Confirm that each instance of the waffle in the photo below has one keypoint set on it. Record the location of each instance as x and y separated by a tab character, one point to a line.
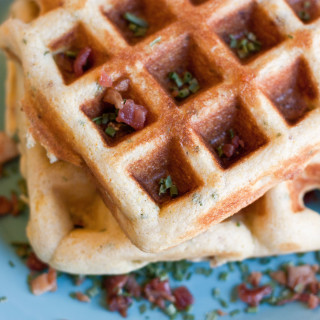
268	95
71	228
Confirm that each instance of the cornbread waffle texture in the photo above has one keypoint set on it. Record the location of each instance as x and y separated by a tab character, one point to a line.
71	228
270	99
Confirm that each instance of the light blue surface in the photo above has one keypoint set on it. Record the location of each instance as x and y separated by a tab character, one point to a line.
22	305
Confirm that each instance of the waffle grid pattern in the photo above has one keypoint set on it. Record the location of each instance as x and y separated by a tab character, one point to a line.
178	137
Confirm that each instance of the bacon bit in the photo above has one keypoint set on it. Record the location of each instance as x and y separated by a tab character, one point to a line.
228	150
44	283
157	292
113	97
123	85
5	206
279	276
119	303
105	80
255	278
81	61
15	204
133	115
8	148
221	313
236	142
183	298
79	280
114	284
35	264
133	287
314	287
313	301
253	296
301	275
82	297
315	268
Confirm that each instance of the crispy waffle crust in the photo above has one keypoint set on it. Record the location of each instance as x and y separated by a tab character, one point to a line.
271	100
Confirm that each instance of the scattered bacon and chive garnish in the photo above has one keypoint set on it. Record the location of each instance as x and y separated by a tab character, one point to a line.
234	146
185	84
304	14
137	25
245	44
126	115
75	61
166	185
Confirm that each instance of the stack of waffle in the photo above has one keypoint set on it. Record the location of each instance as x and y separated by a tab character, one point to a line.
165	130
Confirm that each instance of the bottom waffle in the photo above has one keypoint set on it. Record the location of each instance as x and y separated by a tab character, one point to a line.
71	229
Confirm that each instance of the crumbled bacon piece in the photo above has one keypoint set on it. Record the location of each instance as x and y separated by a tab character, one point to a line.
114	284
221	313
301	275
5	206
119	303
314	287
183	298
82	297
44	283
133	115
236	142
279	276
132	287
113	97
228	150
253	296
313	301
105	80
81	61
35	264
255	278
157	292
15	204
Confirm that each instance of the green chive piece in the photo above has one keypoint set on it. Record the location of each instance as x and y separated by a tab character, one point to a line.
168	182
234	312
187	77
220	152
143	308
97	120
265	260
136	20
233	42
176	78
3	299
252	310
215	292
110	131
304	15
211	315
194	85
231	132
223	276
11	264
140	32
188	317
174	191
170	310
71	54
223	303
184	93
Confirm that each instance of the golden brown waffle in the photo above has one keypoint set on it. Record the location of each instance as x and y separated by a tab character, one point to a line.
270	99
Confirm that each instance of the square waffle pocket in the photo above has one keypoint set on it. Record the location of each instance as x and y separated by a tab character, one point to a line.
230	90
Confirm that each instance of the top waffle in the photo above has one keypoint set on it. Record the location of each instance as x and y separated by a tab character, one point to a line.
257	80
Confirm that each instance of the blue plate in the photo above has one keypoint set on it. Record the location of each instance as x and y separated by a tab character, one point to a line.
22	305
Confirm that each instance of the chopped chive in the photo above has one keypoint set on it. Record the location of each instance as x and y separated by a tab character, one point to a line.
304	15
110	131
71	54
211	315
136	20
11	264
234	312
97	120
24	41
46	52
264	260
173	191
233	42
223	276
290	36
3	299
168	182
143	308
219	151
231	132
170	310
188	317
155	41
184	93
252	310
140	32
215	292
230	266
176	78
238	224
223	303
194	85
187	77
